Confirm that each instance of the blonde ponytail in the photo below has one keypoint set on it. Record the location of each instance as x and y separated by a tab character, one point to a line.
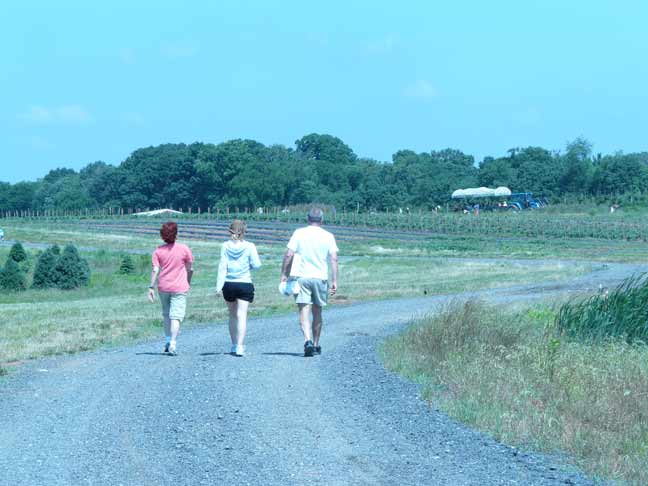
237	230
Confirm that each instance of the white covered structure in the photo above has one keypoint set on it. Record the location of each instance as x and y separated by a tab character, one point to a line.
157	212
475	192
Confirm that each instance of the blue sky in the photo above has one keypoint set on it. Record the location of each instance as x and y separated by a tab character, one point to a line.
87	81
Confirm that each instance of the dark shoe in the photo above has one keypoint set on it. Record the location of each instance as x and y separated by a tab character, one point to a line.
317	349
166	348
309	349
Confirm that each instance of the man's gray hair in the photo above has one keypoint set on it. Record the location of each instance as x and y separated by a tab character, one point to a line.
315	215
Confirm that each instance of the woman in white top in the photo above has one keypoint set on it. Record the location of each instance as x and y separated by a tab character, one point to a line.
238	257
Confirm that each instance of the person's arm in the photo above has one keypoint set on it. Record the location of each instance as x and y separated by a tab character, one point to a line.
189	259
222	270
151	290
334	272
255	261
287	262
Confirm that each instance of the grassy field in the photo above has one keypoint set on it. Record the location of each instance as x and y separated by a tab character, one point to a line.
441	245
113	308
506	372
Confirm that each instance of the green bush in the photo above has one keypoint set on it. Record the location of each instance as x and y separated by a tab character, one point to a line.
12	277
71	271
623	312
126	266
45	275
17	252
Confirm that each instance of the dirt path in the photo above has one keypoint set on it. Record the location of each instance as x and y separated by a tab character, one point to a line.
135	417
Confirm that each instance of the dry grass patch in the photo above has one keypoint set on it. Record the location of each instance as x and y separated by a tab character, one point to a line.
505	372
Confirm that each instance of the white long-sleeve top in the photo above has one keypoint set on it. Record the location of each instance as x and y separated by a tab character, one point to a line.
236	260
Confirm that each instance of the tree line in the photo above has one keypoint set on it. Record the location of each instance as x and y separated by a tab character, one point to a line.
322	168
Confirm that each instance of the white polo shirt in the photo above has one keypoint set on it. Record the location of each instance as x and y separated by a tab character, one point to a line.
312	246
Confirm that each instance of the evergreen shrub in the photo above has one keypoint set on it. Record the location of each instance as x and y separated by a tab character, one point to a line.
12	277
44	273
71	270
126	266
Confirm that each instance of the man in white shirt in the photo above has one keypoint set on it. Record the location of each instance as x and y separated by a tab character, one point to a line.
309	252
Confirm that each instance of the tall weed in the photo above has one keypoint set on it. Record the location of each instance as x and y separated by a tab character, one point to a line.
623	312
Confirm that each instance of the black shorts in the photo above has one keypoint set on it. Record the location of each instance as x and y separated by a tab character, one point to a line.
238	290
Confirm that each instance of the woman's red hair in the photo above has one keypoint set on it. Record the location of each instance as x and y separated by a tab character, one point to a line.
169	232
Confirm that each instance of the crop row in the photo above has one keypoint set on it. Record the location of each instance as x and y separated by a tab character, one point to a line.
386	225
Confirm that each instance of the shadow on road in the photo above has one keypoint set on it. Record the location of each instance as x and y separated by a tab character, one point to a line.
284	354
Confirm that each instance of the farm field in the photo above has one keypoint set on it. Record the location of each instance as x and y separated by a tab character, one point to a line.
484	240
113	308
552	222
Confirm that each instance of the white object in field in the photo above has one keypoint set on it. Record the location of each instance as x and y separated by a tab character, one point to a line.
1	234
502	191
290	287
481	192
157	212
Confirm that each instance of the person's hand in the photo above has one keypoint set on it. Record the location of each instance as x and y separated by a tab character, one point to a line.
151	295
284	278
333	288
219	291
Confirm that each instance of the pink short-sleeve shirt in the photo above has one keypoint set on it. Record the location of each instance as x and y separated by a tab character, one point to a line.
171	260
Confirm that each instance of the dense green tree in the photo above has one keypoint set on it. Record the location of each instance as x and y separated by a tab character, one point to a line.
71	271
17	252
321	168
126	265
577	167
45	274
12	278
162	176
496	173
618	174
17	197
64	193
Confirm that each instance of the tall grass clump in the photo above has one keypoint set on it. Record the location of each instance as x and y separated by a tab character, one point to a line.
508	373
623	313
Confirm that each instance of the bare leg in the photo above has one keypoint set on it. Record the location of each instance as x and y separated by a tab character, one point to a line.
304	321
175	330
232	307
241	317
317	323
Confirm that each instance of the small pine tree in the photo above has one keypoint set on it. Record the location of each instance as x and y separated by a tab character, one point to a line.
56	249
71	270
44	273
126	266
17	252
12	278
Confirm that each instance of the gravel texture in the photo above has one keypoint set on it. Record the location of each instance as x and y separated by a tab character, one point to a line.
133	416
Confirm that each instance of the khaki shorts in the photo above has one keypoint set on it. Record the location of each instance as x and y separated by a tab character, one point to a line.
174	305
312	291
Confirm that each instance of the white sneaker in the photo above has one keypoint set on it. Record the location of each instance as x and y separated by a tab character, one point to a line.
239	350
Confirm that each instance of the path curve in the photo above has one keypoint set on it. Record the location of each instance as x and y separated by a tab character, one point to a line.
132	416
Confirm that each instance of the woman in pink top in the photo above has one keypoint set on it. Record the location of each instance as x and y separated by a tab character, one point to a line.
173	269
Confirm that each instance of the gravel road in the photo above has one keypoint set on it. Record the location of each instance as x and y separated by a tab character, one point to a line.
133	416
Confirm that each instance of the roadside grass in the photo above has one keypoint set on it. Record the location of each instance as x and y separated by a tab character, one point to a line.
505	371
113	309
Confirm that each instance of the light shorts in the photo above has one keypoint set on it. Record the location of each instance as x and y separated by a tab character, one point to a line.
174	305
312	291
